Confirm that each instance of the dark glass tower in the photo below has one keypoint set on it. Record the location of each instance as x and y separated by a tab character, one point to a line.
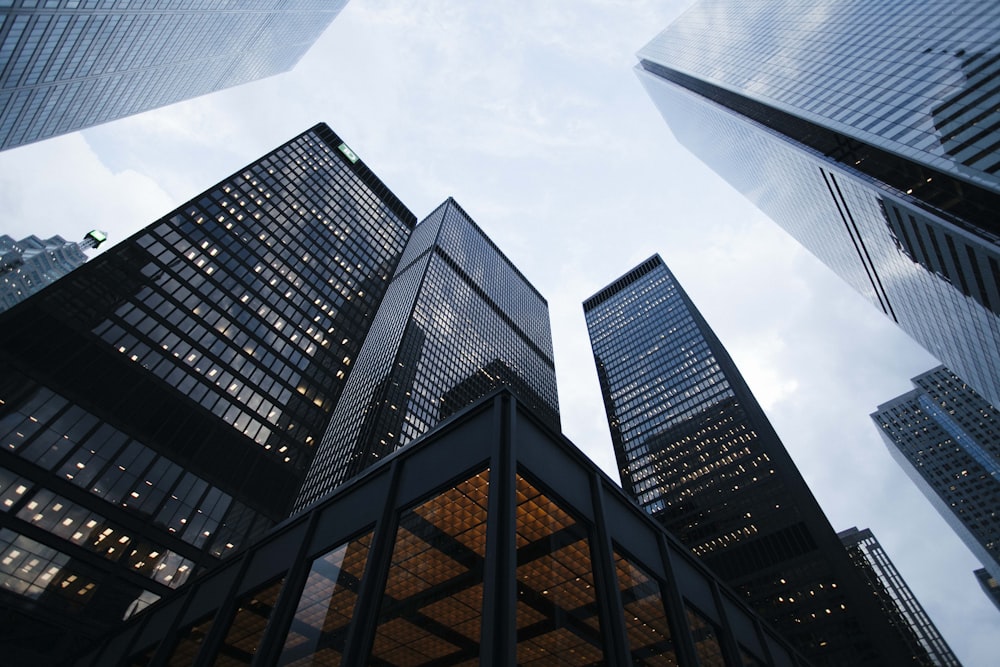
897	600
68	65
947	439
29	265
458	321
160	405
492	541
697	452
869	132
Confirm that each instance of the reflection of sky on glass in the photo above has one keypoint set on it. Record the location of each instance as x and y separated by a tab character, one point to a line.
792	185
869	69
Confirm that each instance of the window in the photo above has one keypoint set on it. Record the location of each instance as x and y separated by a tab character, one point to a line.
432	605
556	606
326	605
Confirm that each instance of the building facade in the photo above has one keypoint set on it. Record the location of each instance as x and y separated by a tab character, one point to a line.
897	600
71	64
947	439
697	452
458	321
159	406
490	541
990	586
870	135
28	265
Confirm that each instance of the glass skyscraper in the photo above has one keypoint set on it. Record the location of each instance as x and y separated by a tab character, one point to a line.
894	595
869	132
28	265
947	439
160	405
458	321
697	452
69	64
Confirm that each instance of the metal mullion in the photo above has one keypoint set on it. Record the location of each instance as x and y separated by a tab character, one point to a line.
170	638
606	585
673	605
361	631
284	607
730	650
498	638
762	638
94	657
227	610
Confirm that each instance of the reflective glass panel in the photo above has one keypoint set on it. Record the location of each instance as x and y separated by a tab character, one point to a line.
74	523
189	643
557	622
749	659
12	487
432	608
248	626
649	637
319	630
706	639
142	658
32	569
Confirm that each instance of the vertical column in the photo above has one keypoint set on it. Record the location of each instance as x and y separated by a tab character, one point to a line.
730	650
361	632
498	643
284	609
674	606
762	637
609	600
217	631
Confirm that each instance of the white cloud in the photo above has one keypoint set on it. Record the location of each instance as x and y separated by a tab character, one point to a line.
60	187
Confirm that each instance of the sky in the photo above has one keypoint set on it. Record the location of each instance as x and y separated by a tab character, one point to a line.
530	115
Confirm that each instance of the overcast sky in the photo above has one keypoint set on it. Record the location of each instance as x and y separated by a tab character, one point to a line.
528	114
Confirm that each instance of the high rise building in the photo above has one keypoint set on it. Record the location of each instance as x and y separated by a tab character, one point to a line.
69	65
28	265
896	599
990	586
869	133
491	541
160	405
697	452
947	439
458	321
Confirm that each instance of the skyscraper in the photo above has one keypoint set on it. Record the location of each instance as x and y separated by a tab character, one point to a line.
159	406
697	452
947	439
65	66
458	321
868	131
897	600
28	265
